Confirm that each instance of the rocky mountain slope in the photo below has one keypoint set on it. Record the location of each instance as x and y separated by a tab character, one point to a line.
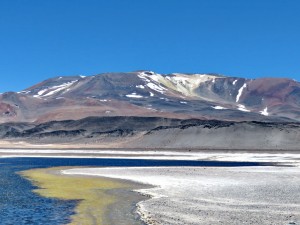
144	109
149	94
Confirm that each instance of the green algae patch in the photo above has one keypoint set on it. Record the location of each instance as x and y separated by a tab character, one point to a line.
90	191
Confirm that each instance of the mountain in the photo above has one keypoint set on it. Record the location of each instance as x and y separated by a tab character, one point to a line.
144	109
149	94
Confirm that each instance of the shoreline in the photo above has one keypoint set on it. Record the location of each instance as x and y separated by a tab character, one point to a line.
276	157
100	200
118	147
208	195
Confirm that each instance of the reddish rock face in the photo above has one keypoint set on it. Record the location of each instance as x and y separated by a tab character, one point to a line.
273	89
7	111
145	93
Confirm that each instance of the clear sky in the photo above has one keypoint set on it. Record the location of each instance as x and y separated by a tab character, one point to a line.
40	39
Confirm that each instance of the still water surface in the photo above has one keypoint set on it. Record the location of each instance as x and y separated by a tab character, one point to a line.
19	205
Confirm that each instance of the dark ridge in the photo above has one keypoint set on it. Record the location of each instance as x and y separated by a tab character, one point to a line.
61	133
120	126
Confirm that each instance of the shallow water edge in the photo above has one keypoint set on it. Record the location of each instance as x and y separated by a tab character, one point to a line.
100	200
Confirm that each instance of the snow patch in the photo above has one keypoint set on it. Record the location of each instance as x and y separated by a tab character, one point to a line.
152	81
179	80
182	102
157	88
187	83
264	112
54	89
134	95
234	82
218	107
149	75
140	86
155	77
240	92
151	109
144	77
242	108
42	92
59	88
23	92
166	99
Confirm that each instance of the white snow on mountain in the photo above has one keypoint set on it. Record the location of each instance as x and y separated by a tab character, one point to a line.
183	83
264	112
157	88
240	92
186	84
54	89
242	108
134	95
24	92
218	107
152	80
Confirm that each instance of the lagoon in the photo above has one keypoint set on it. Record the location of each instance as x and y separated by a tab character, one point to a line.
20	205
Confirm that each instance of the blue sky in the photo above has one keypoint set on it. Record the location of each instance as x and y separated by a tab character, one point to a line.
42	39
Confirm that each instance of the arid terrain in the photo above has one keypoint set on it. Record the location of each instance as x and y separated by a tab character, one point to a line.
144	109
152	132
249	128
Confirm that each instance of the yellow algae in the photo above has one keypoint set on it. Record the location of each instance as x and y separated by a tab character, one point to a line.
92	192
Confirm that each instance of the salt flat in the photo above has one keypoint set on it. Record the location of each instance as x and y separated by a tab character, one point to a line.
213	195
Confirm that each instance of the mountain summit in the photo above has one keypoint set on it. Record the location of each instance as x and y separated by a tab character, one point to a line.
149	94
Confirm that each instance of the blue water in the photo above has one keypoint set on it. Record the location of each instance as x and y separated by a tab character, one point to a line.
19	205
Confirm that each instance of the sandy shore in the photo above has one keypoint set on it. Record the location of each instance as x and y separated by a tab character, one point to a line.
213	195
101	201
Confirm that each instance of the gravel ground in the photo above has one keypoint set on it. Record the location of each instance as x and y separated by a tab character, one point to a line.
213	195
